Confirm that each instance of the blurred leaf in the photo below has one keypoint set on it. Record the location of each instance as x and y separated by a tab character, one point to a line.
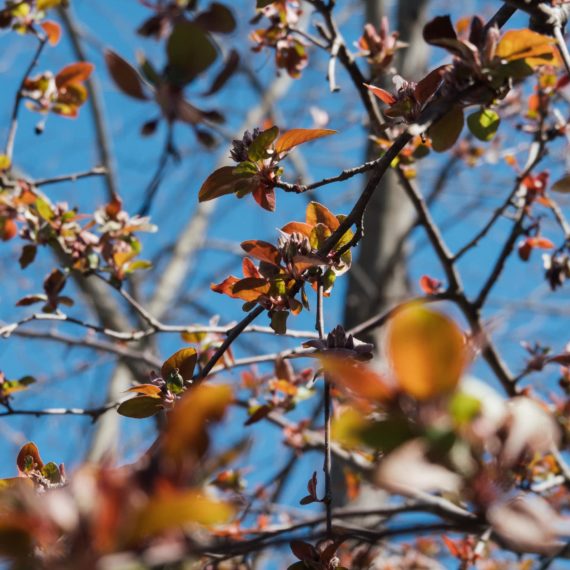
483	124
358	378
388	434
28	255
445	132
5	162
140	407
526	44
427	352
51	472
190	52
295	137
218	18
184	360
125	76
186	432
175	510
44	209
562	185
230	67
464	408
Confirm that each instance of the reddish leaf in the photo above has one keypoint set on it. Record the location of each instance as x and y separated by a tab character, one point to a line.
428	85
439	28
540	242
221	182
265	197
250	288
295	137
226	286
8	229
249	269
429	285
125	76
74	73
304	551
29	458
382	94
262	250
31	300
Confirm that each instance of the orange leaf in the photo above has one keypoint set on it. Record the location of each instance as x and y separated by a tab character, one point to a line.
297	227
8	229
221	182
226	286
250	288
74	73
186	430
52	30
382	94
262	250
427	352
540	242
249	269
319	214
150	390
358	378
295	137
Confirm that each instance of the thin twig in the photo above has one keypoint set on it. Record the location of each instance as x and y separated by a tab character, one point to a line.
96	171
9	150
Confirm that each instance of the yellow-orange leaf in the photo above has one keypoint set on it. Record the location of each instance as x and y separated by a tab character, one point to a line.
319	214
173	510
525	44
427	352
295	137
150	390
184	360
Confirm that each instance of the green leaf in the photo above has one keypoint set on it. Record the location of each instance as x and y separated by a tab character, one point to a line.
44	209
190	52
388	434
140	407
484	124
245	167
445	132
279	321
464	407
51	472
258	149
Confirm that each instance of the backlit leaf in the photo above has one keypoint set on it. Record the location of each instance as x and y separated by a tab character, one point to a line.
258	148
427	352
29	458
221	182
295	137
52	31
184	360
318	214
523	44
382	94
262	250
74	73
483	124
151	390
